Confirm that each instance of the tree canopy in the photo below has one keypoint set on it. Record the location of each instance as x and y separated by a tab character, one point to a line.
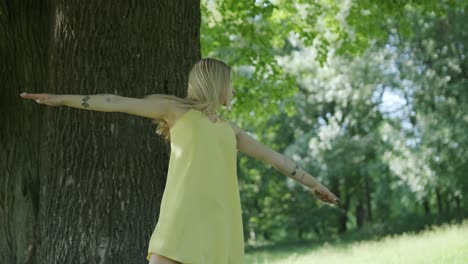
368	96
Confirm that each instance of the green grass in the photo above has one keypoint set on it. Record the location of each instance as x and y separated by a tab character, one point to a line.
443	244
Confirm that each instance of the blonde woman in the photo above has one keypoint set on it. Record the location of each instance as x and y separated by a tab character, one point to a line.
200	218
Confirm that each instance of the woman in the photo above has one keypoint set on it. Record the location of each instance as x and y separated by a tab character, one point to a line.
200	218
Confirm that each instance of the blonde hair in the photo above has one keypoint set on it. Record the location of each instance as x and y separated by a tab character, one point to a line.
209	85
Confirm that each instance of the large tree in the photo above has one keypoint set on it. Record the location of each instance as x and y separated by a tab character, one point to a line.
82	186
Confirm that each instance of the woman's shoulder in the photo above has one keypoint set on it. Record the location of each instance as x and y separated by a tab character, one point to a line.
179	111
176	111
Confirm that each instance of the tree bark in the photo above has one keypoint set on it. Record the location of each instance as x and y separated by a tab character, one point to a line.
102	174
24	27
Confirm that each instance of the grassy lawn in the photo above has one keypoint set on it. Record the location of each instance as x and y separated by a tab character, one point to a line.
444	244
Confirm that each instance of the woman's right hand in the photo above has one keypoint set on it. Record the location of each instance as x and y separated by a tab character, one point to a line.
43	98
323	194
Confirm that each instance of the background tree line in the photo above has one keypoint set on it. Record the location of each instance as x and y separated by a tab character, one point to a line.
371	98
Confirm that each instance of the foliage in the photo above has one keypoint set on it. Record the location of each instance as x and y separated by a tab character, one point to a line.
251	34
368	96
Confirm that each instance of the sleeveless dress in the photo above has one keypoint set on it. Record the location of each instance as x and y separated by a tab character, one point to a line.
200	220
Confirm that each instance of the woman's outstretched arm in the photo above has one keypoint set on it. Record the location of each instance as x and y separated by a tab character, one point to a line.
248	145
152	107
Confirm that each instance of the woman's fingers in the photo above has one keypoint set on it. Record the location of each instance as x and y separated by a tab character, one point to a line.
28	96
320	196
332	198
326	196
31	96
41	98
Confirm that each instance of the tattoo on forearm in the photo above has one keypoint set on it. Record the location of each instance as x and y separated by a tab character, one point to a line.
287	171
297	173
85	102
108	99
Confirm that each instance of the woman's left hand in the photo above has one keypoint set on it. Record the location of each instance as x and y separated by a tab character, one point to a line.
44	98
323	194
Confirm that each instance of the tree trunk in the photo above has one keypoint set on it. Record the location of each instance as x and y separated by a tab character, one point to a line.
360	214
24	28
103	174
426	206
440	207
368	198
457	203
344	202
342	220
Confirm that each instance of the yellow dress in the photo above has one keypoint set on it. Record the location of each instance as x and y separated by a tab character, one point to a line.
200	220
